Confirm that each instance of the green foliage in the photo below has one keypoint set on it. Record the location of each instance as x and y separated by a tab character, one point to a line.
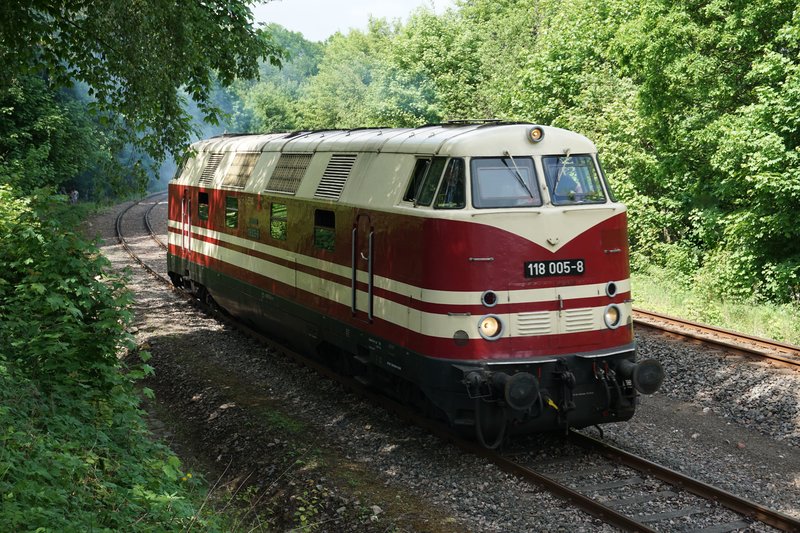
47	140
660	289
135	56
271	104
335	97
695	107
718	94
74	452
77	321
440	65
308	508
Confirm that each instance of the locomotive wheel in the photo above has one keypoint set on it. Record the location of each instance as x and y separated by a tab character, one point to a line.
209	301
202	294
176	279
491	421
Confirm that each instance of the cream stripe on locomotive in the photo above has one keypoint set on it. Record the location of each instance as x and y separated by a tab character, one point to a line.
431	296
432	324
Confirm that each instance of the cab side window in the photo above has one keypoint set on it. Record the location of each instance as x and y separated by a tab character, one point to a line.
416	179
424	180
452	190
428	187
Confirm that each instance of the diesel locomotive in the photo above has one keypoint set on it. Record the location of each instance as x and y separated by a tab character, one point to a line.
477	269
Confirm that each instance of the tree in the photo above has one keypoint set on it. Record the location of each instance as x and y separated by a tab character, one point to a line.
44	139
270	104
718	92
135	57
335	97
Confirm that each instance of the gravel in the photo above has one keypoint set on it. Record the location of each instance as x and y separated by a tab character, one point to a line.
724	419
261	425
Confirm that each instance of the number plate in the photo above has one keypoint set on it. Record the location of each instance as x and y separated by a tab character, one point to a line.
563	267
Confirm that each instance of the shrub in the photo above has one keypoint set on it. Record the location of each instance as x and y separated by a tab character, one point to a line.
75	454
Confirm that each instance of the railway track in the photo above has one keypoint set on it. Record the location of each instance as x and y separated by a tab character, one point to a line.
777	352
609	483
129	247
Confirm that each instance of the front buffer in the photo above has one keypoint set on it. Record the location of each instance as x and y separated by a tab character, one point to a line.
554	394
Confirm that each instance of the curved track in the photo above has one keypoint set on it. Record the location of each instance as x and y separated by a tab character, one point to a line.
645	480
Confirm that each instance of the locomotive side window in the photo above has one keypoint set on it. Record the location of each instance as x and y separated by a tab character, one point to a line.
231	211
611	194
202	205
324	229
452	193
425	180
504	182
416	179
277	221
573	179
431	180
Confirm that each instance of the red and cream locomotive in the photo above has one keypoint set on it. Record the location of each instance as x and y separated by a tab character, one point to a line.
477	269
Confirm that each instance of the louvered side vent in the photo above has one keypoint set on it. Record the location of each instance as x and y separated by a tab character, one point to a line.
578	320
240	170
207	177
288	173
335	176
537	323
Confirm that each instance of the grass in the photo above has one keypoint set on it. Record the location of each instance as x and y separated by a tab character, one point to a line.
659	290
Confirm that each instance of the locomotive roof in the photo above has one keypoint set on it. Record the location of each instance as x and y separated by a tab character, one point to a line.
379	174
458	139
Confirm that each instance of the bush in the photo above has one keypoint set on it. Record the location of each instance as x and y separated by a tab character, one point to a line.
75	454
729	275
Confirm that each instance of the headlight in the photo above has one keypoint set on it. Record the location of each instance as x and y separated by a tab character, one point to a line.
612	316
490	327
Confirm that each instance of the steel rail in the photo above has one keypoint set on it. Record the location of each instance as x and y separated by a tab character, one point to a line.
593	507
148	224
126	246
605	513
720	337
581	501
731	501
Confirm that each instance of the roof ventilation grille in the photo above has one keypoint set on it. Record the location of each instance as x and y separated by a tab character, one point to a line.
335	176
240	170
207	177
288	173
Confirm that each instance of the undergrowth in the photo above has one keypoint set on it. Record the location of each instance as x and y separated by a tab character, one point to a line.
659	289
75	454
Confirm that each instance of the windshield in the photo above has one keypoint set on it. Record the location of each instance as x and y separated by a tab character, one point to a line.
504	182
573	179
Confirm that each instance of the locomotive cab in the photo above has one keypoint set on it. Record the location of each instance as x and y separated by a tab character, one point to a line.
554	332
